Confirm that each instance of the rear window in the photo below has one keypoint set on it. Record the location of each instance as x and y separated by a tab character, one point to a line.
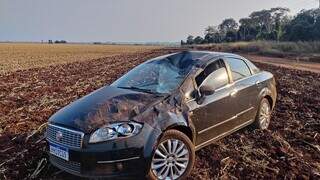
239	69
253	68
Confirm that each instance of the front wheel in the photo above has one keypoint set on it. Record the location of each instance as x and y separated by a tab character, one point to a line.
173	158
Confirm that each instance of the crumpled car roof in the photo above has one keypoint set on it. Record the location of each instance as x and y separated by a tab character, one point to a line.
196	58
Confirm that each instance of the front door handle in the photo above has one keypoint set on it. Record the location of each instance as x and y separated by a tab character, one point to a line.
233	93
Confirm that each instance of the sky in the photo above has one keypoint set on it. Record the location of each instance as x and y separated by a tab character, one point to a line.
124	20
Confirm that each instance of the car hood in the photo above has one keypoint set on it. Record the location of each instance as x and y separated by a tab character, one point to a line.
104	106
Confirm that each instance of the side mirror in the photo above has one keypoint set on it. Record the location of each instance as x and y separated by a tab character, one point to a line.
206	90
202	93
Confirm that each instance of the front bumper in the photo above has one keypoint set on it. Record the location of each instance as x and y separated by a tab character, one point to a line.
122	158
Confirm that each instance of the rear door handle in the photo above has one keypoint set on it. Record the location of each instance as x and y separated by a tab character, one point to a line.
258	83
233	93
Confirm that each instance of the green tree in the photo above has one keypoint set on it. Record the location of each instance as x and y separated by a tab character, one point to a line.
316	29
262	21
228	29
280	20
269	22
190	39
303	27
247	30
231	36
198	40
228	25
211	30
212	35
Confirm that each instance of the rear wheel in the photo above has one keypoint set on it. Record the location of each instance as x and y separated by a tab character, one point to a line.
264	115
173	158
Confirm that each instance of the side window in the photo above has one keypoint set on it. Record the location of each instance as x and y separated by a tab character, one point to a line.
254	68
214	74
239	68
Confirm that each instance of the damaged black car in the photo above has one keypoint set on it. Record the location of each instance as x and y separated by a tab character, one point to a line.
150	122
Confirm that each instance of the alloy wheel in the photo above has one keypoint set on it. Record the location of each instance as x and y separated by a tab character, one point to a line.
170	160
265	115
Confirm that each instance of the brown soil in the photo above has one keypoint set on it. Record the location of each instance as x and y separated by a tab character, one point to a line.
290	149
287	63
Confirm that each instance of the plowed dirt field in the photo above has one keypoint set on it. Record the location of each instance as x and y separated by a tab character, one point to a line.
289	149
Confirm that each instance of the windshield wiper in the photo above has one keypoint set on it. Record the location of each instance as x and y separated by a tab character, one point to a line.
138	89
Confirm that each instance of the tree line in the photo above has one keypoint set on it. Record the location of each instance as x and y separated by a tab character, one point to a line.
57	41
273	24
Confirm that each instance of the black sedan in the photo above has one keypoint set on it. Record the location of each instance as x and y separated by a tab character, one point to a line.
150	122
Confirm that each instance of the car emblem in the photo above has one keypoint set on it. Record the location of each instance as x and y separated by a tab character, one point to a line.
59	136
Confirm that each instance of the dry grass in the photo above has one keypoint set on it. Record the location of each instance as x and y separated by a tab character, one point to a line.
309	51
17	56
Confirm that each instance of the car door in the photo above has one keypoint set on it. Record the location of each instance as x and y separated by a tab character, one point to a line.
210	116
244	88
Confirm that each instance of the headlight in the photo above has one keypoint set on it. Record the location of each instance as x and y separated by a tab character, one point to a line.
114	131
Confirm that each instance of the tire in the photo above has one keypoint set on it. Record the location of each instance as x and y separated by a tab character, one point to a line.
174	161
263	116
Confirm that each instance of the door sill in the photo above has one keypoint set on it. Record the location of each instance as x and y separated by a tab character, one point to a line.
206	143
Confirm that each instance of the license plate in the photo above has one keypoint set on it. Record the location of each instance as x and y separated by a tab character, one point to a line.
59	151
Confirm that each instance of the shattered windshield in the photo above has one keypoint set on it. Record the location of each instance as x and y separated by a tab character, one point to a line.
158	76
